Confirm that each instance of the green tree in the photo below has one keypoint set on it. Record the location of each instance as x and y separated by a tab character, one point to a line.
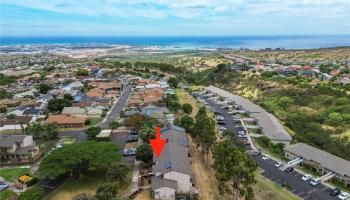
264	141
57	105
69	97
42	130
144	153
5	94
34	193
3	109
204	131
117	172
43	88
92	132
187	122
187	108
82	72
173	82
234	170
77	158
106	191
114	125
285	101
335	119
11	116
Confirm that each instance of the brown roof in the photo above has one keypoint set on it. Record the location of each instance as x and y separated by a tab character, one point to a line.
17	120
65	119
82	104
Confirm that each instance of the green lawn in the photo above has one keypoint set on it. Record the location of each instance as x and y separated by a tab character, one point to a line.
268	151
12	174
4	195
87	184
265	189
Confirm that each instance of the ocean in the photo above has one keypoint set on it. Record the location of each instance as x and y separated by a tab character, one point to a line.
190	42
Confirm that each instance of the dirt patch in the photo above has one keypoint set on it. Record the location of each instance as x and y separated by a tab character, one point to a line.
185	97
144	195
204	176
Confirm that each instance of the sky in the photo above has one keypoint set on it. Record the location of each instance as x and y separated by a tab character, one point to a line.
173	17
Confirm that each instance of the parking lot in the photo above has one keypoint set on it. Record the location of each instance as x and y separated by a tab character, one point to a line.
292	180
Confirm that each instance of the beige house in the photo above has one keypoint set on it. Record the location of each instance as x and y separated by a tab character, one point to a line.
74	112
94	113
18	148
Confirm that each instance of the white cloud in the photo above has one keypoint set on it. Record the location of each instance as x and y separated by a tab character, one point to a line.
190	9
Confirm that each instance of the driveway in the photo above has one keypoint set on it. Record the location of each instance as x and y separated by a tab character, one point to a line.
116	110
297	185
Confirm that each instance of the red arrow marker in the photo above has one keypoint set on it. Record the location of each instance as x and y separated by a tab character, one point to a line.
158	143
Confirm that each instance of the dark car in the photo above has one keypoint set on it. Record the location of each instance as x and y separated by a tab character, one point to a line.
257	153
217	113
289	169
335	192
221	123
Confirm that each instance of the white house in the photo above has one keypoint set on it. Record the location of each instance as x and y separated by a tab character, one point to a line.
173	175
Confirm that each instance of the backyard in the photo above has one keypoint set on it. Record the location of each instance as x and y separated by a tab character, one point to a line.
87	184
11	174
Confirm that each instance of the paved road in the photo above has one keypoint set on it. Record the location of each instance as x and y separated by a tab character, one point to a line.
115	112
297	186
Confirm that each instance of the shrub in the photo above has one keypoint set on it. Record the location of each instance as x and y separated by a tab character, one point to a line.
187	108
34	193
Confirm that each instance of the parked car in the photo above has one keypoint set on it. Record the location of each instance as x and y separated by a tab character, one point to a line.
220	118
217	113
315	181
221	123
279	164
335	192
257	153
242	136
289	169
222	128
230	113
343	195
306	177
3	186
266	157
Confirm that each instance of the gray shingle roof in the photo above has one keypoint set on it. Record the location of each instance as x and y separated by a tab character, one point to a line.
270	125
325	159
175	154
9	140
72	110
158	182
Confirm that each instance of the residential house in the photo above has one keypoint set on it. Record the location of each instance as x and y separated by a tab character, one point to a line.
18	148
17	123
172	170
94	113
18	111
74	112
66	121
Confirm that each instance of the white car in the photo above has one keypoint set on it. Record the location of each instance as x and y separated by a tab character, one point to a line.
315	181
266	157
279	164
343	195
222	128
306	177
